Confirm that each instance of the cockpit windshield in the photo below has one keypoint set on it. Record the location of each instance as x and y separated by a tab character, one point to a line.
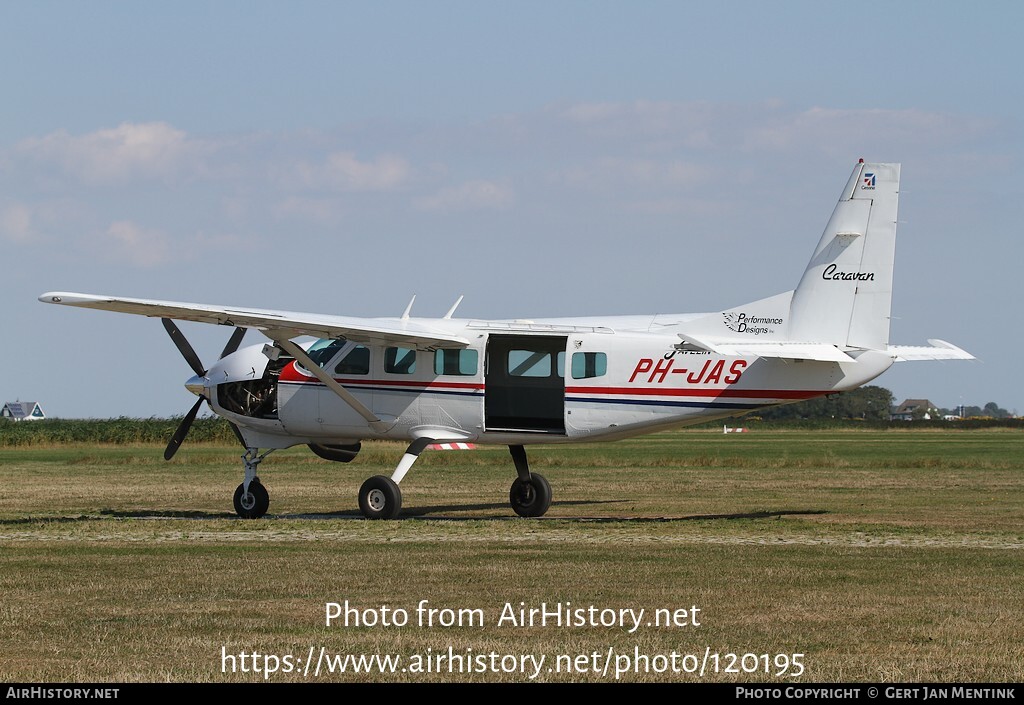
355	361
322	351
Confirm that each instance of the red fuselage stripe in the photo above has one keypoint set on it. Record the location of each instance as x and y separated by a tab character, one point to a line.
290	374
700	392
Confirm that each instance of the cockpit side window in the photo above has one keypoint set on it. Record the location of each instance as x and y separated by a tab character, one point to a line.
357	362
399	361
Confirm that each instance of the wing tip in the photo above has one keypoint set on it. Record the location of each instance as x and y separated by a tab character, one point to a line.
55	297
70	298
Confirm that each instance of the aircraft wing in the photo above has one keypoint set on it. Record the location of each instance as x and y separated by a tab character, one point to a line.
288	324
939	350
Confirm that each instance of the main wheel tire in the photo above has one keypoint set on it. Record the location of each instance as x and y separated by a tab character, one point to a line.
254	503
380	498
530	499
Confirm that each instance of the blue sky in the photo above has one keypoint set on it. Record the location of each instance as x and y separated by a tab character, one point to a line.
569	158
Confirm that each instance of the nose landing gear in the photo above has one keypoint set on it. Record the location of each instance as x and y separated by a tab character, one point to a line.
252	503
251	498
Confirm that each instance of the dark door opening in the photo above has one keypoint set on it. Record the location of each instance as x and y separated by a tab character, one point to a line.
525	383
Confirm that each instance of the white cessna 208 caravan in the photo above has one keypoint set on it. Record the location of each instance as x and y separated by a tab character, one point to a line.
522	382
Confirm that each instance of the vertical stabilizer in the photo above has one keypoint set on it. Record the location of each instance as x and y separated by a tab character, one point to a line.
845	294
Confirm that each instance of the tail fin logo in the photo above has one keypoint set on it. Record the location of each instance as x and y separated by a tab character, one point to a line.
868	182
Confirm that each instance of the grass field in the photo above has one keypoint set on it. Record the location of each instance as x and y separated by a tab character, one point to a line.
877	555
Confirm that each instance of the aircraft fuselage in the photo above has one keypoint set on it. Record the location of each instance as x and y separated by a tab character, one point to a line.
525	383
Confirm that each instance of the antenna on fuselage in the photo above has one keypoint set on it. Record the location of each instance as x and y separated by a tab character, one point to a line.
454	306
408	309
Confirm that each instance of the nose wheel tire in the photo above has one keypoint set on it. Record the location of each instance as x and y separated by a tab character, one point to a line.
254	503
530	498
380	498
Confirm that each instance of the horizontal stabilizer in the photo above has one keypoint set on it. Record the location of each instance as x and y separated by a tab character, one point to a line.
821	352
938	350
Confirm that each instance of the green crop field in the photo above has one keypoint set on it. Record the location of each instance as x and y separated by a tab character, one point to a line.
805	556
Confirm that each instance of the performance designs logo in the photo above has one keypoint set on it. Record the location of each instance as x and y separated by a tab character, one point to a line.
868	182
750	325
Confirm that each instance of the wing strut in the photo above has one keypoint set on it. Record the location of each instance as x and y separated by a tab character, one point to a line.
299	354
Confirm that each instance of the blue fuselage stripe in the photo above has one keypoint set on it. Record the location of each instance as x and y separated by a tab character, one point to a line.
657	402
370	388
584	400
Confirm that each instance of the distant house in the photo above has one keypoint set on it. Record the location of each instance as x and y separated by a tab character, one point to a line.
912	409
22	411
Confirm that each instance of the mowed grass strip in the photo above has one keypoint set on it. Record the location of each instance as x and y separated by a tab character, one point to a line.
960	481
879	555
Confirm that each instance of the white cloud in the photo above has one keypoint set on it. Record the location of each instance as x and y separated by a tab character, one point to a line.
318	210
692	124
16	223
37	223
471	195
207	242
657	127
844	132
127	151
592	112
647	173
125	240
342	171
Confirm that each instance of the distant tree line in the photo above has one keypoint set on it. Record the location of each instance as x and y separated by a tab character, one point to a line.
868	403
117	431
990	410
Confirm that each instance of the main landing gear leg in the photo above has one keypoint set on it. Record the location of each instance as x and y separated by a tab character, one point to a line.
380	496
251	498
530	495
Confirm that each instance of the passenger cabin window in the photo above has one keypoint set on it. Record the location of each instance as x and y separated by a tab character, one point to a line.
589	364
456	362
356	362
531	363
399	361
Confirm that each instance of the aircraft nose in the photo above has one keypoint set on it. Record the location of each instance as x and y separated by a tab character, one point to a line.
196	385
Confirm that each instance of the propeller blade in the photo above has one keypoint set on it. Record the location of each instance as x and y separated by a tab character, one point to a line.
233	342
182	430
184	348
238	435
